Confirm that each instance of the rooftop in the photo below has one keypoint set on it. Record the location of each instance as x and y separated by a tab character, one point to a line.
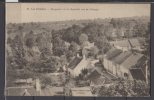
81	91
31	91
135	42
132	60
112	53
52	91
74	62
99	81
20	91
129	42
122	57
137	74
121	43
93	75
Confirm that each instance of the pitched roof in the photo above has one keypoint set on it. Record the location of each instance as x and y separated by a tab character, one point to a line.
121	43
51	91
137	74
58	89
93	75
134	42
113	52
20	91
31	91
127	42
81	91
132	60
74	62
99	80
122	57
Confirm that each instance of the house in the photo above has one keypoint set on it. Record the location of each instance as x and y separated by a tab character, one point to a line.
123	45
111	54
31	91
21	91
79	63
118	60
137	44
73	64
97	78
133	64
52	91
24	90
36	90
128	44
116	33
125	65
81	91
93	74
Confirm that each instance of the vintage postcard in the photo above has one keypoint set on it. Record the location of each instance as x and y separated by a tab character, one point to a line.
66	49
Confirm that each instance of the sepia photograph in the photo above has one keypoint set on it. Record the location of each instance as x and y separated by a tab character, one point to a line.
68	49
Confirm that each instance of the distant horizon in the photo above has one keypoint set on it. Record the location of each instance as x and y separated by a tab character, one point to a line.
20	13
75	20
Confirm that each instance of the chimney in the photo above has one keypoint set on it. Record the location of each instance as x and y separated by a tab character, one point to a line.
38	86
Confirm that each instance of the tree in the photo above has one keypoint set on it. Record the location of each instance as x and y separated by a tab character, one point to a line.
46	81
106	91
18	52
59	47
20	28
83	38
84	71
140	88
48	64
125	88
63	60
29	43
72	49
80	77
72	33
43	40
29	39
45	53
9	40
74	46
94	51
102	44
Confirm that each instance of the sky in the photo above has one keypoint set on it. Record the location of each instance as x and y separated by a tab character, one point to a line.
44	12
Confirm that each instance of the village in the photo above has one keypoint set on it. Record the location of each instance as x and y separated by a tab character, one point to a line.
84	59
85	73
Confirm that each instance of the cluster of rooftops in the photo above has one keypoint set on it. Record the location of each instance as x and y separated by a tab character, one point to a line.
126	58
135	63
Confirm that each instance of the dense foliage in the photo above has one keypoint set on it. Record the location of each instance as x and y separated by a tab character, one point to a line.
126	88
46	47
